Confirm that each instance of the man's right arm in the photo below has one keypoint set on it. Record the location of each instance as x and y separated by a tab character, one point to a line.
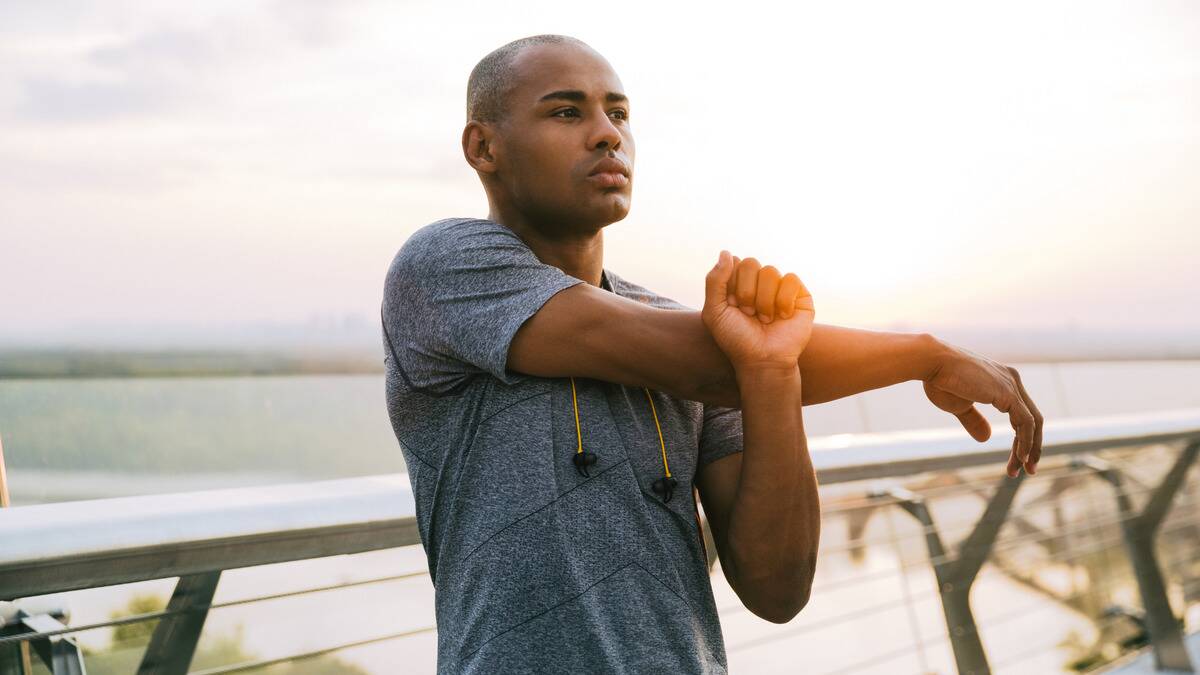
584	331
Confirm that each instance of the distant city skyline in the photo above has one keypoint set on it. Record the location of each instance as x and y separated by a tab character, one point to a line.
223	165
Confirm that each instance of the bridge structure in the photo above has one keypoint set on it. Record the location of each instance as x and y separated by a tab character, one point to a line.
1120	485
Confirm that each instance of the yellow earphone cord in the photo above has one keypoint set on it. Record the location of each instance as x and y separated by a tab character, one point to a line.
653	411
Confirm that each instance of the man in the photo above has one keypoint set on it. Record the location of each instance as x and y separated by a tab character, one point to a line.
556	418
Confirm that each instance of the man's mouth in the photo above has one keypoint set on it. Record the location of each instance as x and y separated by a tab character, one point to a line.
610	172
609	179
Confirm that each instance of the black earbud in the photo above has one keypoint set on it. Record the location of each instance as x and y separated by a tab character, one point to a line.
665	487
582	461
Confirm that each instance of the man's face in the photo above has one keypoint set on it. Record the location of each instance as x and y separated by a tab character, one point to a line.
566	114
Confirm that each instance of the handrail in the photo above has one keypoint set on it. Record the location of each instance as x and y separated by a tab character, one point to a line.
842	458
50	548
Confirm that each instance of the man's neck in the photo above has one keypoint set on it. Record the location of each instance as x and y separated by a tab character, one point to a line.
578	254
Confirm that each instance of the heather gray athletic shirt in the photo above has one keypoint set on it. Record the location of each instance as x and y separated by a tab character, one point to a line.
536	568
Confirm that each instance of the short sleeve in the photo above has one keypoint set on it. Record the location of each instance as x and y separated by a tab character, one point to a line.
454	297
721	434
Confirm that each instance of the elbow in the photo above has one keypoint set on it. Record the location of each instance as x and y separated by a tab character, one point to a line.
781	609
781	602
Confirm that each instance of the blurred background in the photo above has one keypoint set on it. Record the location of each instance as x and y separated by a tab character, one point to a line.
198	204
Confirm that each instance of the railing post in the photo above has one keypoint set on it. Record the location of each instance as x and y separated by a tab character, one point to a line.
174	641
66	658
1138	533
60	652
955	577
10	659
21	664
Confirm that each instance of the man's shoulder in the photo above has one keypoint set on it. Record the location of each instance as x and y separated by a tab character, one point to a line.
642	294
449	233
434	245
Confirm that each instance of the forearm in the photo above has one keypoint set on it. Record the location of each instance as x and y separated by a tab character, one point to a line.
595	334
837	362
775	522
842	361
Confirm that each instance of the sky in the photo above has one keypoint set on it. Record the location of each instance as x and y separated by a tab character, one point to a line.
207	165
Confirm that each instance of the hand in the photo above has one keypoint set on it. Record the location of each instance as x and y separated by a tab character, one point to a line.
755	316
963	377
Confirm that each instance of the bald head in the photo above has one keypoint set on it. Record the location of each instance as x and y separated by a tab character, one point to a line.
493	78
543	113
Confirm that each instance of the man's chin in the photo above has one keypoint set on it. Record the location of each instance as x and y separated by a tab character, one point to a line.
599	211
616	208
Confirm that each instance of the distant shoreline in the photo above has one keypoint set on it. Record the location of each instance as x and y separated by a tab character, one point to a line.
71	364
47	364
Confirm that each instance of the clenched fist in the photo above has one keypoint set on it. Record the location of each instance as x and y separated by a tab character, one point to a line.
757	316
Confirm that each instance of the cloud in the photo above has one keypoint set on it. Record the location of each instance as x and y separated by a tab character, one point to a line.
316	23
144	74
48	100
159	66
132	171
159	50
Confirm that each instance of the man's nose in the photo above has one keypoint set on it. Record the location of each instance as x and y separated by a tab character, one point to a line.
605	135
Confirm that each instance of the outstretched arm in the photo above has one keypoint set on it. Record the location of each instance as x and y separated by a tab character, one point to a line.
842	361
584	331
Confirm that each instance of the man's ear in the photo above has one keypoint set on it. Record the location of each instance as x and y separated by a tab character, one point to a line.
477	143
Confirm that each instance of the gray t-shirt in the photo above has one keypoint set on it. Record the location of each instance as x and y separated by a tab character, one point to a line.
535	567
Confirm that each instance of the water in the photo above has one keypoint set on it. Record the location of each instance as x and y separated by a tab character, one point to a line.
80	439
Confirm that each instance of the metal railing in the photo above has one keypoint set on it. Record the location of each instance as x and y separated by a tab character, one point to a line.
57	548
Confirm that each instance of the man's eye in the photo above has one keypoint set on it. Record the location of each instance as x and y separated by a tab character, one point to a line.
564	110
624	115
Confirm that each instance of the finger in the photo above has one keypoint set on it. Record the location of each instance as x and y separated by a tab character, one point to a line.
768	288
975	423
1019	417
1022	424
785	301
716	282
747	285
804	300
965	411
1003	395
1014	465
732	290
1035	449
